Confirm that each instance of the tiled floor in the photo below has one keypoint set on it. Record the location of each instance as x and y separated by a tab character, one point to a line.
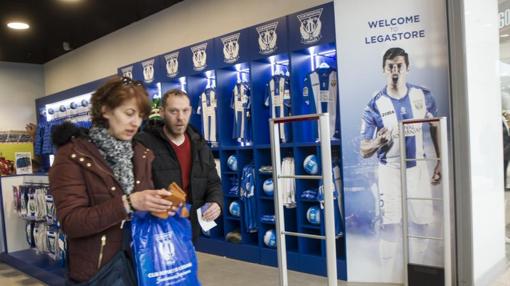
12	277
220	271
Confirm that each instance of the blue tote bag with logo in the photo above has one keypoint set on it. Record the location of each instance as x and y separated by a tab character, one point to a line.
163	251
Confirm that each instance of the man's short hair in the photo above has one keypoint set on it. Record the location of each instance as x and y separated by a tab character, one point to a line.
393	53
173	92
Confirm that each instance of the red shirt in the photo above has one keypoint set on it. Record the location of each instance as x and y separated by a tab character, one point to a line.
183	153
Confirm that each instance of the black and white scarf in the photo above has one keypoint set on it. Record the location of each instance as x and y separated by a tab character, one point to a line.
118	154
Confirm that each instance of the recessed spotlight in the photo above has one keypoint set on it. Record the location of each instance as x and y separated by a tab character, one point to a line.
18	25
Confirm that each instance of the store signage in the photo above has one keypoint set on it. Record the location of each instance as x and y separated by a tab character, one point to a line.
394	29
393	44
231	48
311	26
127	71
148	70
172	64
268	38
199	56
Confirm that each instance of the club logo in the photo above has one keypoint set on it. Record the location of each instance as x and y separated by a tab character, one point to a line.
166	247
199	57
172	64
231	48
418	104
127	72
267	38
148	70
311	26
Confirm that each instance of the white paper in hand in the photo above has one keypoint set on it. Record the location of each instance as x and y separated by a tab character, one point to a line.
205	225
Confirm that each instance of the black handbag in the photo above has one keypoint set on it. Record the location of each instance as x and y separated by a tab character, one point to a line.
119	271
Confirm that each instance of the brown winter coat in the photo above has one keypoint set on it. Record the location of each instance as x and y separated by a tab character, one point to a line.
88	201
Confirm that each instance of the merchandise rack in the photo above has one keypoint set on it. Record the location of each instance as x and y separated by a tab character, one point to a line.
14	249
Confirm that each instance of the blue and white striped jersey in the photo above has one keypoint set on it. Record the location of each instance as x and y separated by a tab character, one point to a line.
320	93
386	111
241	104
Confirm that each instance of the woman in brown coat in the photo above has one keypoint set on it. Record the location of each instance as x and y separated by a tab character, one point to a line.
98	178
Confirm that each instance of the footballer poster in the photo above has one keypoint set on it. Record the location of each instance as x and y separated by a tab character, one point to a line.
393	65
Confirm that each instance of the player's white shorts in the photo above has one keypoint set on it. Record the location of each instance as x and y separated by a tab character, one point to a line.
418	182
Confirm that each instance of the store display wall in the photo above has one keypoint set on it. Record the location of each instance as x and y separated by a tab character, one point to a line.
20	85
286	64
185	23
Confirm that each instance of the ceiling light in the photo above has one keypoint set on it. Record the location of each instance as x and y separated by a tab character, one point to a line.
18	25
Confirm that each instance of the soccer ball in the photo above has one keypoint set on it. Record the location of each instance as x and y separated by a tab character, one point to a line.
235	209
268	187
51	111
270	238
62	108
232	162
313	215
311	165
84	103
73	105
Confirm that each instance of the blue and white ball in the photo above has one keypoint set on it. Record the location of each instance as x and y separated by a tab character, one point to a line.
232	162
270	238
84	103
62	108
313	215
268	187
73	105
311	165
51	111
235	209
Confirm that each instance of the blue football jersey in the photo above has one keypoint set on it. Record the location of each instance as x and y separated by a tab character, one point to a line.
320	93
386	111
247	195
241	103
279	101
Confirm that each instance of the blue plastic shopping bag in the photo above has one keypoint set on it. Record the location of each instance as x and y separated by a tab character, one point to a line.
164	253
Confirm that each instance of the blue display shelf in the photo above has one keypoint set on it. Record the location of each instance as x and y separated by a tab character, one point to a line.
293	59
36	265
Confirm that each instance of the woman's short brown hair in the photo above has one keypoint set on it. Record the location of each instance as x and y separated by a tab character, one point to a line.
113	93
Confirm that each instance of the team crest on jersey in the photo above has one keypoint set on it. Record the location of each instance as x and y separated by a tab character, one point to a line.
418	104
172	64
267	38
231	48
311	26
127	72
305	91
148	71
333	82
403	110
199	56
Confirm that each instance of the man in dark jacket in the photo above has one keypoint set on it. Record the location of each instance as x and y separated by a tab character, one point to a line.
182	156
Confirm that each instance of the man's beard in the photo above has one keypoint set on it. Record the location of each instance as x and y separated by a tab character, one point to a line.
173	132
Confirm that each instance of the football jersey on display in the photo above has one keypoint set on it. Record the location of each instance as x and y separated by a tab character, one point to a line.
207	109
386	111
320	93
241	103
279	101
